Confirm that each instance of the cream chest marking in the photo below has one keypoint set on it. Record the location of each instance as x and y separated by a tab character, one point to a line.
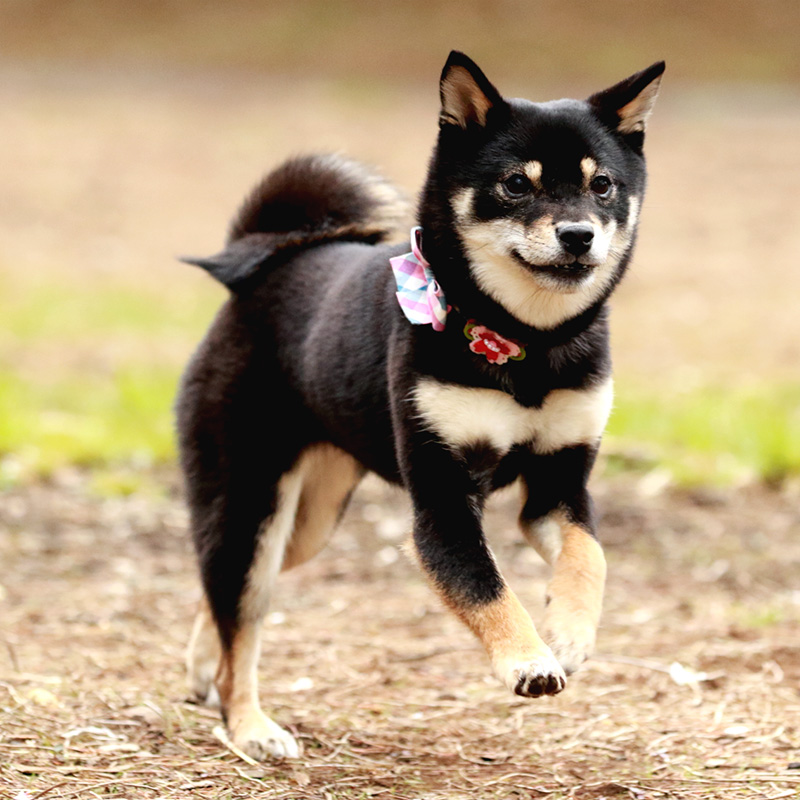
464	416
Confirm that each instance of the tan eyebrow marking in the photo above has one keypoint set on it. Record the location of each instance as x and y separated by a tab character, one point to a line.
533	172
589	170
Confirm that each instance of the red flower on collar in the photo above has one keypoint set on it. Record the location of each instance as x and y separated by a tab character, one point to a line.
494	347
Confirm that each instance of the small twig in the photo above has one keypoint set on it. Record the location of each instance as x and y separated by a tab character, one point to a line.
632	662
220	733
439	651
12	654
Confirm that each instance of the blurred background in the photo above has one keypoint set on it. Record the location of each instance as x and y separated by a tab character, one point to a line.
131	130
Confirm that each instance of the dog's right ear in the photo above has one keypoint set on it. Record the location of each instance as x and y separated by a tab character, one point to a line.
239	260
626	106
468	98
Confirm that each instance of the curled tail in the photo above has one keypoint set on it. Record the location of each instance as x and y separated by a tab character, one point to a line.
307	200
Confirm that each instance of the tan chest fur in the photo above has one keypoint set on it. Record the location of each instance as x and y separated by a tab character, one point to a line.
464	416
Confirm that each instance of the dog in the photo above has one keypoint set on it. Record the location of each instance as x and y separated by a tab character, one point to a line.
477	359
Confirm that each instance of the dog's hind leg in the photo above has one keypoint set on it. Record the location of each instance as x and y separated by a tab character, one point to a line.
237	680
329	476
557	520
242	518
203	656
308	502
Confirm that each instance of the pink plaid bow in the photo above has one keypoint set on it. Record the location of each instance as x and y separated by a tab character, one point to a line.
418	292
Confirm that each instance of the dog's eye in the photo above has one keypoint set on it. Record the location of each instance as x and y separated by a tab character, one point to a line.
601	185
517	185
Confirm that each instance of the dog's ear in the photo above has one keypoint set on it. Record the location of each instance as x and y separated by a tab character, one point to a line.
468	98
627	105
239	260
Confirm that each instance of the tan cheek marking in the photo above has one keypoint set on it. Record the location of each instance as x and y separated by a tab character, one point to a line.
633	212
589	169
462	204
533	172
543	230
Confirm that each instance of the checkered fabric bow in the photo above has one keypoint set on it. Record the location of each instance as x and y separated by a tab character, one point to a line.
418	292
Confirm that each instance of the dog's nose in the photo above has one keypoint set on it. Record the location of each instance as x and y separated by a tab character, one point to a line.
576	237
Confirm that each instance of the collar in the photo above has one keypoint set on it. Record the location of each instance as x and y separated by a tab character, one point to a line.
423	302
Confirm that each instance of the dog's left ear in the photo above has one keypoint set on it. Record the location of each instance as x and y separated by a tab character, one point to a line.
627	105
468	98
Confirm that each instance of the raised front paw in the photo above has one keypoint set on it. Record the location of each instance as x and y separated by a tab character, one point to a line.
534	677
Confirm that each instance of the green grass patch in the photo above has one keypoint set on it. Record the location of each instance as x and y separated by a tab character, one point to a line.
87	421
62	311
109	408
708	434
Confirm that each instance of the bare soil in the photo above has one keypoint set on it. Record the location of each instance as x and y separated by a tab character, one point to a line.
694	692
108	175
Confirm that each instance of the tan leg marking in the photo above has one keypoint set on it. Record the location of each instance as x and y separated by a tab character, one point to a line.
237	680
329	475
519	656
203	656
575	591
249	727
520	659
310	497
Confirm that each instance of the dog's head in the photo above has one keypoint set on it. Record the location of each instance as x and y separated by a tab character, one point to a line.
543	198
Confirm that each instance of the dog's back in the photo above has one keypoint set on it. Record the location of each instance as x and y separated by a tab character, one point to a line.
301	266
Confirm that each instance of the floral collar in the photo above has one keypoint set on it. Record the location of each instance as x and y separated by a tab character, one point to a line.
494	347
423	303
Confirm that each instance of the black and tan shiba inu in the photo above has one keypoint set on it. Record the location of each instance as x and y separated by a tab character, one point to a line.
479	358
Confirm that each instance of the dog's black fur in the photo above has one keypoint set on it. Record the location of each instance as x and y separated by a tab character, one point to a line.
312	353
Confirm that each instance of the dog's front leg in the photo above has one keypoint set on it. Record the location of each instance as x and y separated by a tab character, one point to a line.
557	520
451	548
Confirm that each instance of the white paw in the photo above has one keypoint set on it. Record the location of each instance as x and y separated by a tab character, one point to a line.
533	677
203	689
212	697
261	738
571	645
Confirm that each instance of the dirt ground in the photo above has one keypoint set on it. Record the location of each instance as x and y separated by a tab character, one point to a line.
694	692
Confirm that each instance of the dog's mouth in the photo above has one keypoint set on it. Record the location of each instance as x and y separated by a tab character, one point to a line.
568	273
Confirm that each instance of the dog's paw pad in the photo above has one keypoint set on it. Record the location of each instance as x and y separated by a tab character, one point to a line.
535	685
265	739
539	676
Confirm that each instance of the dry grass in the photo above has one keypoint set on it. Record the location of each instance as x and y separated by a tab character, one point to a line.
389	696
